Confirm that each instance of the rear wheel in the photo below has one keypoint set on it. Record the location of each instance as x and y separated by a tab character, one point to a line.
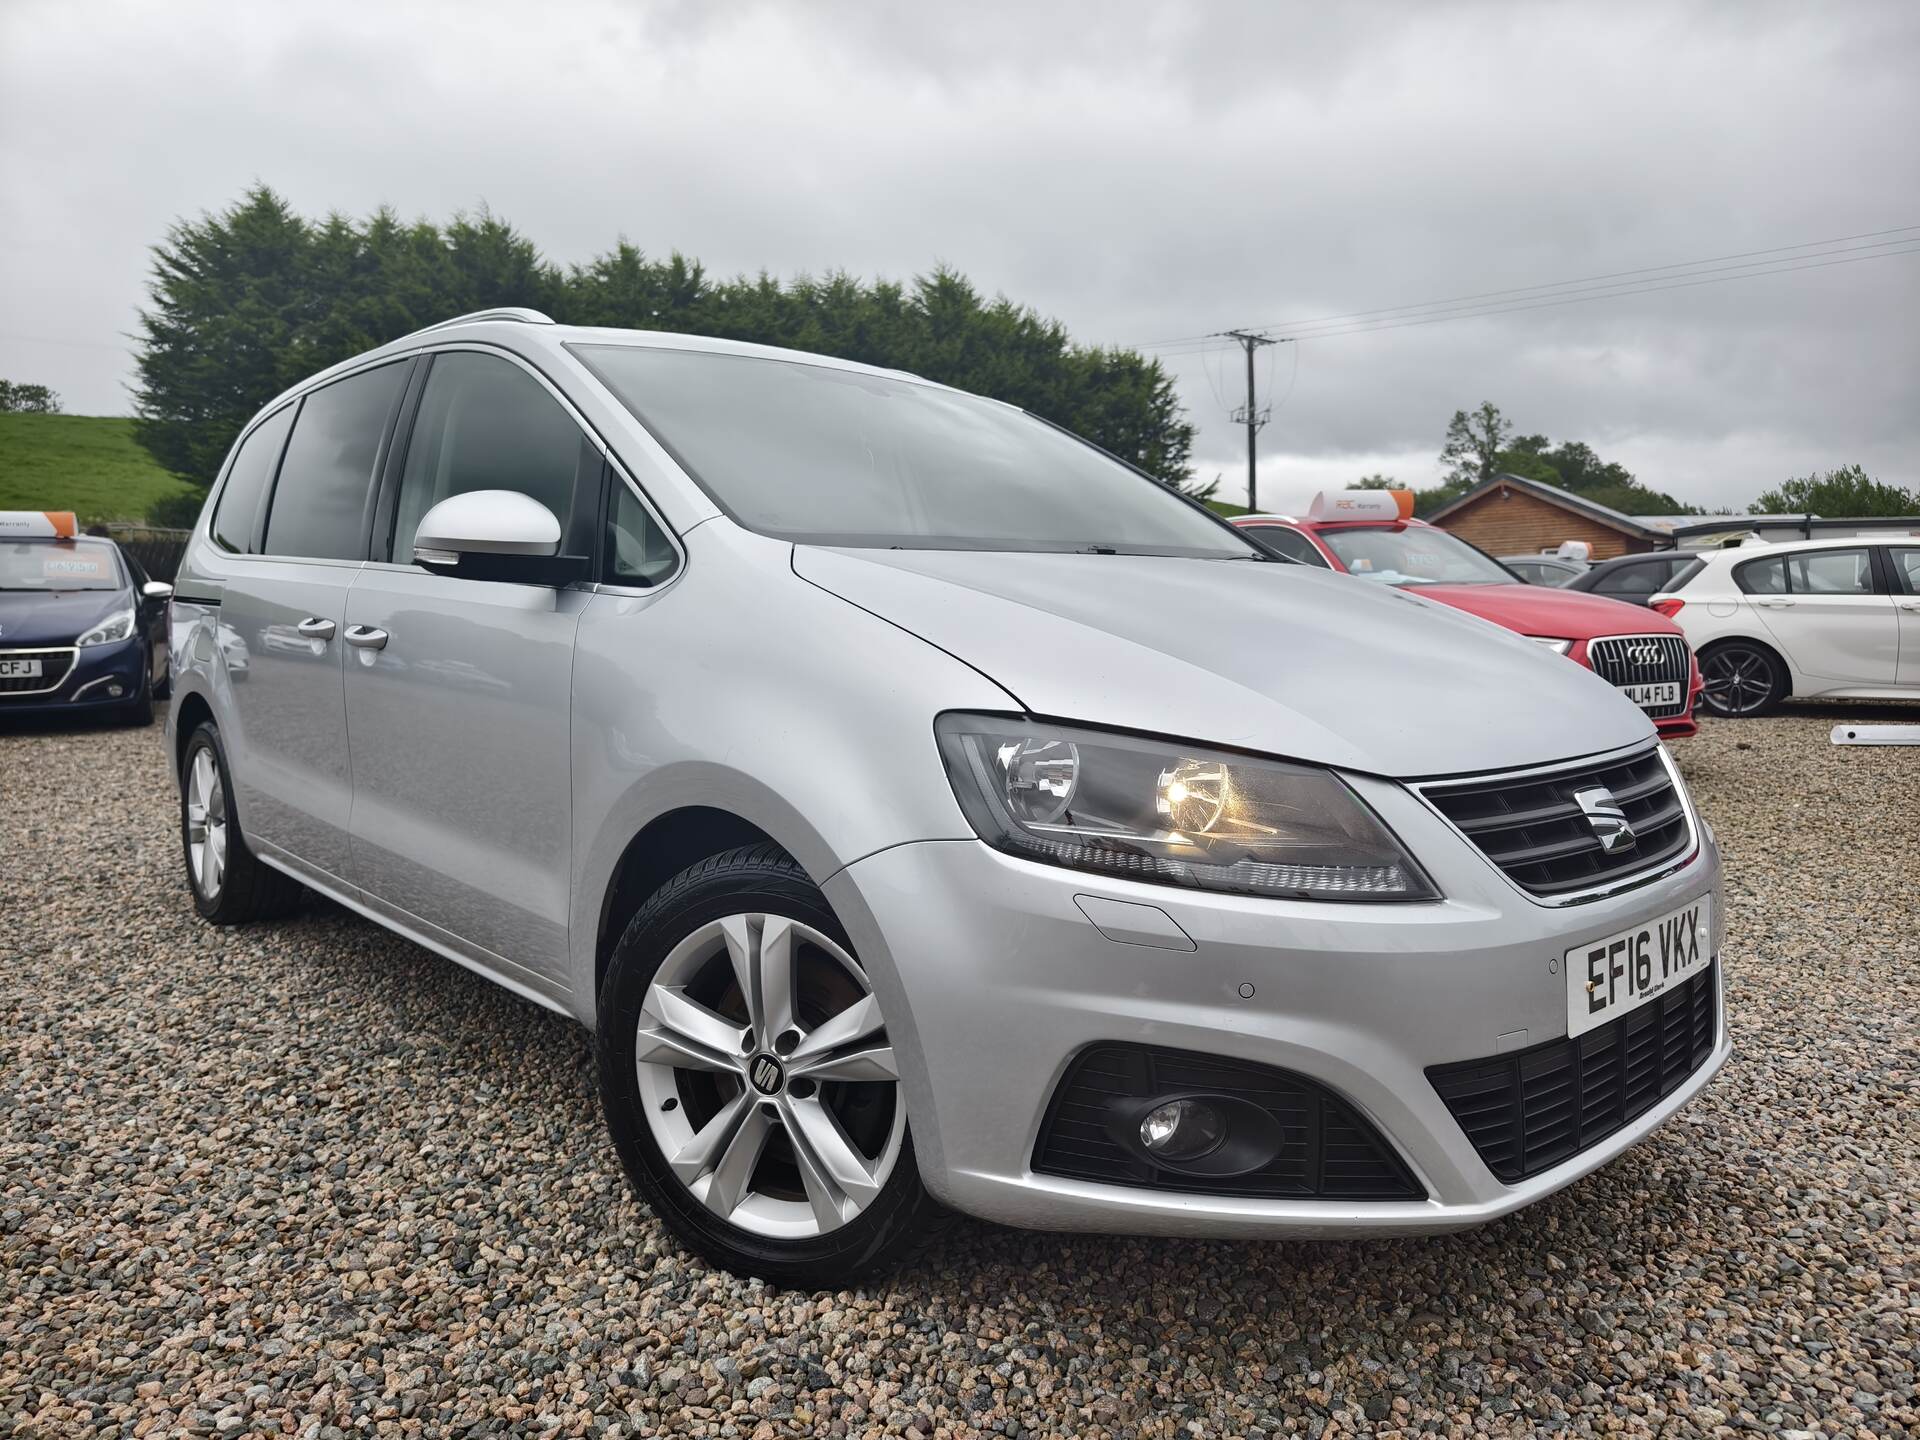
230	886
1742	678
748	1080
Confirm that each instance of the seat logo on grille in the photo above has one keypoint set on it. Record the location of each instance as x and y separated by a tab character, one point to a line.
1608	820
1648	654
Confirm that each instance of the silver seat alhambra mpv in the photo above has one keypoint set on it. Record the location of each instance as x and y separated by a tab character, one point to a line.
925	808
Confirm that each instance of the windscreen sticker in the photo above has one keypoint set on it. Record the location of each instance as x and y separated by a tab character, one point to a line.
74	567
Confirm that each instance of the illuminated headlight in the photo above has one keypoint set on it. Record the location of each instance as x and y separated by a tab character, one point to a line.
1172	813
1558	647
116	627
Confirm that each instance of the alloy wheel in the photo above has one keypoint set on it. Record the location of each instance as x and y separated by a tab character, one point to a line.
206	823
767	1078
1738	680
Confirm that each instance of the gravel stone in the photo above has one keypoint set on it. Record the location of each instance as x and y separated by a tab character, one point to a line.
306	1179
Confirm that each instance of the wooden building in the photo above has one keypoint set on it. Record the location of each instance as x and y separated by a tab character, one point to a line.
1511	515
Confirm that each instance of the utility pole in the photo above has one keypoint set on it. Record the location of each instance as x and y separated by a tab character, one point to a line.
1249	415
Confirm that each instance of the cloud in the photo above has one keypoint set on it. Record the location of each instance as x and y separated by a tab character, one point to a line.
1143	171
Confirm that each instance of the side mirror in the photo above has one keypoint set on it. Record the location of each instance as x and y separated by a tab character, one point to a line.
495	535
156	591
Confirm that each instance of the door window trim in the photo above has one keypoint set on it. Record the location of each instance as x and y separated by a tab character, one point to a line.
1898	574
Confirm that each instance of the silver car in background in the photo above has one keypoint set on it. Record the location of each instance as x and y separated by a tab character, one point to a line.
925	808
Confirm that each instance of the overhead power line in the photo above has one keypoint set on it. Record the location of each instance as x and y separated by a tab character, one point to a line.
1620	283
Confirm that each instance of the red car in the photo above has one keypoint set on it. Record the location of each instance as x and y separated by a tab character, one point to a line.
1372	534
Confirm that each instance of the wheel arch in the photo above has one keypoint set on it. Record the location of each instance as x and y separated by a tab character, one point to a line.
661	849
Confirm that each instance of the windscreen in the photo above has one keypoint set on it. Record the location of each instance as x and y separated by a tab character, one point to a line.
59	565
816	454
1413	555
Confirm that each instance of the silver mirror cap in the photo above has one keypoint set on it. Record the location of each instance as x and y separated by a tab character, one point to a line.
486	522
157	590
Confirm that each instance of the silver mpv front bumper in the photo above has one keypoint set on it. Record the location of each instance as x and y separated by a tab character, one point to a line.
994	978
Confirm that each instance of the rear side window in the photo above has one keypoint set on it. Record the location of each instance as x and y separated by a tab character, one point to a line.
1906	569
1762	577
247	480
1642	579
1684	576
319	506
485	424
1290	543
1830	572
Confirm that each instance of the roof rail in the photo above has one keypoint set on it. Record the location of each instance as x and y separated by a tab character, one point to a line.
517	313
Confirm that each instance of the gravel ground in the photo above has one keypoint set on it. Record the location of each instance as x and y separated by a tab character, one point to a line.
308	1179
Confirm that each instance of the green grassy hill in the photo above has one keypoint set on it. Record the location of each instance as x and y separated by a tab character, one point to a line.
84	463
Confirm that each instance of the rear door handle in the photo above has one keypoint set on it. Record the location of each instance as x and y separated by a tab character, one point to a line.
366	637
1777	604
315	628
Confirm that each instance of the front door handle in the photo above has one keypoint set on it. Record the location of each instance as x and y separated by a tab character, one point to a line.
1910	604
366	637
315	628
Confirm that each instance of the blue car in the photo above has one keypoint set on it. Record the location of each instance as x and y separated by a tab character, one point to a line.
83	629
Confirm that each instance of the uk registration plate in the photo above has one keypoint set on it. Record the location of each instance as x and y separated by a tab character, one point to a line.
1609	978
19	669
1655	696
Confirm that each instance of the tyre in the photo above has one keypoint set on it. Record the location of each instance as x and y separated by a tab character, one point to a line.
139	710
748	1082
230	885
1742	678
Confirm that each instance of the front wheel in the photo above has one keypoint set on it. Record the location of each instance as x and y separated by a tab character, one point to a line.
1742	678
749	1082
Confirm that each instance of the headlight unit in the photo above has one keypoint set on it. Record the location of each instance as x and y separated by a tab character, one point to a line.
1170	812
1553	643
116	627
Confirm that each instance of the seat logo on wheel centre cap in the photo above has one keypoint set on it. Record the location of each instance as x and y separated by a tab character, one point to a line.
766	1074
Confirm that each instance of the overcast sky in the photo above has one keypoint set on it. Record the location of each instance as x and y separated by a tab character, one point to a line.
1141	171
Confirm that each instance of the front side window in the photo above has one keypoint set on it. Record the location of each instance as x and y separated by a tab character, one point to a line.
319	506
485	424
1413	555
247	480
816	454
1290	543
638	551
59	565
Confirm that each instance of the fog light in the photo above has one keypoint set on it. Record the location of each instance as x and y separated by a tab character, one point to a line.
114	690
1182	1130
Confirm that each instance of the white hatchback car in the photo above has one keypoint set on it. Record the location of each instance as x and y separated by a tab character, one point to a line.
1835	618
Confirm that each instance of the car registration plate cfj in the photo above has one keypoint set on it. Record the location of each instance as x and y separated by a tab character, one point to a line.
1609	977
19	669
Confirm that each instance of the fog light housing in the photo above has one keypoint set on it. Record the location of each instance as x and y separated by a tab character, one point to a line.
1182	1131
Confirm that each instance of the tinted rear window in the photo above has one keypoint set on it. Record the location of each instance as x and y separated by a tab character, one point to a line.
1685	574
319	504
247	480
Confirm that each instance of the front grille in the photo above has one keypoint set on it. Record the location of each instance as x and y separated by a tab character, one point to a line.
54	665
1644	660
1533	828
1331	1151
1528	1111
